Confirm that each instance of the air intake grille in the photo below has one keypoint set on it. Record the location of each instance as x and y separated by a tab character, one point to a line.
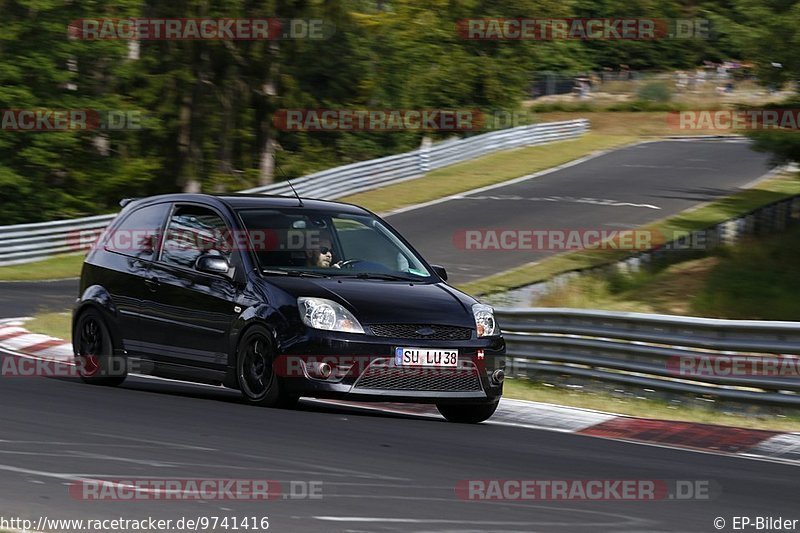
418	331
385	377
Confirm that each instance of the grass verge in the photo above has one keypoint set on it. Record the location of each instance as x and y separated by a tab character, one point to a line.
765	192
55	324
60	267
523	389
488	170
640	124
754	279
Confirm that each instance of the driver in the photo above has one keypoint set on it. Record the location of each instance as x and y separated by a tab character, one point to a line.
322	255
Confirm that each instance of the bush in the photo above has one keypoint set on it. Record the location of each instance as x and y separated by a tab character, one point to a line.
655	91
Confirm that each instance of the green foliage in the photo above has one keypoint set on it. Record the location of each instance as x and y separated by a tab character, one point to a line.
757	278
654	91
208	105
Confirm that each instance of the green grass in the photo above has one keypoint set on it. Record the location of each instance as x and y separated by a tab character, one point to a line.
755	279
763	193
55	324
60	267
667	291
488	170
523	389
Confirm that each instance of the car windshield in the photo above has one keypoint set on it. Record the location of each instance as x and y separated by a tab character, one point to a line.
303	242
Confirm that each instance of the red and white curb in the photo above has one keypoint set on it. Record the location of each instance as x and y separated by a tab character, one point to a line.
742	442
709	438
14	337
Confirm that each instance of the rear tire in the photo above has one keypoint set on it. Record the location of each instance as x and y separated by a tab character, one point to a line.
467	413
93	349
255	373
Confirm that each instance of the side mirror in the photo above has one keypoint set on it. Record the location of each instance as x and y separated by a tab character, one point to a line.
212	264
440	271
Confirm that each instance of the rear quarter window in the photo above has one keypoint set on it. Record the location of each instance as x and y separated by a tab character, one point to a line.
139	233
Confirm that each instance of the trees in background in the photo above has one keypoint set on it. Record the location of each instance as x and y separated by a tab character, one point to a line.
207	106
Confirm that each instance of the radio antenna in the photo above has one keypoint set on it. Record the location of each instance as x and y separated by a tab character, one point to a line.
277	166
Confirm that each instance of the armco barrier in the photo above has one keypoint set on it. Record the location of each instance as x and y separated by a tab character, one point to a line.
641	350
24	243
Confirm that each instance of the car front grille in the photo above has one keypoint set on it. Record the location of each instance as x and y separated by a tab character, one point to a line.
422	331
381	375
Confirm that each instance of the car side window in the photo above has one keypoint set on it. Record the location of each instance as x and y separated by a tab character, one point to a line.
193	231
139	233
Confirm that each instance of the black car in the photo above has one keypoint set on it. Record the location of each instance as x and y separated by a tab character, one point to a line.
282	297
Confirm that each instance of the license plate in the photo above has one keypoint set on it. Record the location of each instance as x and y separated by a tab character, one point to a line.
425	357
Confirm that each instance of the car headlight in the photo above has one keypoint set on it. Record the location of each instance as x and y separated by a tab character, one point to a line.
319	313
484	320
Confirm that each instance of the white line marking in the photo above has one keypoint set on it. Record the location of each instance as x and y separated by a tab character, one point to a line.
44	473
158	442
563	199
323	468
64	443
675	167
544	172
363	519
511	182
620	519
146	462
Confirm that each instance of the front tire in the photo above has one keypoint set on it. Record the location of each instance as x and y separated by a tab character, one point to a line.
94	350
467	413
255	372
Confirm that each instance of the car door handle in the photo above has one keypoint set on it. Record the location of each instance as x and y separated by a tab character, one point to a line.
152	284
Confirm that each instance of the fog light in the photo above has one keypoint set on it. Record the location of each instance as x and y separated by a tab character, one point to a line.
319	370
498	376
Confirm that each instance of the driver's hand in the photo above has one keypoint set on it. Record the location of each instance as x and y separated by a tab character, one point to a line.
337	264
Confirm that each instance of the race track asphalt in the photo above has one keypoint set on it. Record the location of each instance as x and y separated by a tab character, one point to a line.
377	472
24	298
622	189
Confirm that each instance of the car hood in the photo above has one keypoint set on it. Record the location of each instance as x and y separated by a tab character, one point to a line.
375	302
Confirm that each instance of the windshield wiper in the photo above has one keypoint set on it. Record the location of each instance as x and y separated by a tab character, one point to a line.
295	273
303	274
381	275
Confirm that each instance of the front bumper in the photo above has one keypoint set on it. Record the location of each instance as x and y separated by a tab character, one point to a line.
363	368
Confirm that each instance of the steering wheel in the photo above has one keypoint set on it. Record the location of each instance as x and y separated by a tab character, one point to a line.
349	263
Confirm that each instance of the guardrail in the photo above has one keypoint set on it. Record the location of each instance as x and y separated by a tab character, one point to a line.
24	243
357	177
646	351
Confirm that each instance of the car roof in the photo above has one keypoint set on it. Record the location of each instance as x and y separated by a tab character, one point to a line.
254	201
